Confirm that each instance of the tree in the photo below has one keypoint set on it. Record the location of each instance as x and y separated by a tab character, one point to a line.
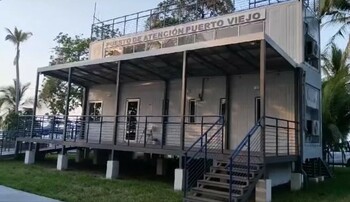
186	11
335	95
8	103
53	93
336	12
17	37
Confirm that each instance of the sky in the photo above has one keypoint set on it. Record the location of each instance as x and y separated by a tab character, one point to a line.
47	18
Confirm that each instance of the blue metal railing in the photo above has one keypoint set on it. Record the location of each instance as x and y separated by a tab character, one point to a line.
251	143
196	162
270	136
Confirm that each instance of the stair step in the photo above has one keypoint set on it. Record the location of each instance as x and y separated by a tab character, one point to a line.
236	179
240	163
235	170
198	198
225	185
213	193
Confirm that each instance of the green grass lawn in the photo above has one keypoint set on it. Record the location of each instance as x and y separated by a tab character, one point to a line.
88	184
77	185
333	190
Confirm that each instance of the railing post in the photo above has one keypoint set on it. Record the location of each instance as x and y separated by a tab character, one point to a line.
88	129
186	175
248	170
145	133
124	25
222	136
137	22
202	131
276	137
205	151
53	127
230	191
128	128
288	138
17	127
101	121
76	129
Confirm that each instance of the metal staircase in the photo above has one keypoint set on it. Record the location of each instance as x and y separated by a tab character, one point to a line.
316	167
231	179
216	186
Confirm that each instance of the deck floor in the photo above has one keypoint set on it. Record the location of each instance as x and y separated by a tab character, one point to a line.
152	148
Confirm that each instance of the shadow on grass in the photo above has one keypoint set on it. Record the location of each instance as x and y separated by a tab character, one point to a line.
334	190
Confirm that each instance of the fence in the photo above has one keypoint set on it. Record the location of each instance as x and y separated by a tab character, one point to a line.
158	131
173	14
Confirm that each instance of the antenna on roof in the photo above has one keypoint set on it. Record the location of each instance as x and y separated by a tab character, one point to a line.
94	17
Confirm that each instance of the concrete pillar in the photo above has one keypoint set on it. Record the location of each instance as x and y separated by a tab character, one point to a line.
179	179
296	181
95	157
321	179
86	153
263	192
79	156
62	162
160	166
314	179
29	157
112	170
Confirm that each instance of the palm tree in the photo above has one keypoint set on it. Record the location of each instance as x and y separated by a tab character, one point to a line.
336	94
8	98
17	37
336	12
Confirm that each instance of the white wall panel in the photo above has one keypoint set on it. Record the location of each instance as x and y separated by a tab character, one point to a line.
279	101
284	24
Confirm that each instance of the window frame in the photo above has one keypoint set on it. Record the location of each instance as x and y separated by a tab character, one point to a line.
192	118
94	117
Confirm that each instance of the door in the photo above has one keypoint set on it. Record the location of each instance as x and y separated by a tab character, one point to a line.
132	113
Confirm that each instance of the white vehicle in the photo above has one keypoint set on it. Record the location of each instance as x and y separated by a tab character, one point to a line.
339	155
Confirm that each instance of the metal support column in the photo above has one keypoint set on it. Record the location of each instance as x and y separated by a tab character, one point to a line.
263	97
183	105
66	110
84	105
34	108
165	112
299	113
227	112
117	93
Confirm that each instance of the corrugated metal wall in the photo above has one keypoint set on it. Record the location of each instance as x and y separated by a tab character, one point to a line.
279	95
244	90
284	24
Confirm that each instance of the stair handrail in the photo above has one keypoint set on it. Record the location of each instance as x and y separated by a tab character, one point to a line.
238	150
202	135
203	148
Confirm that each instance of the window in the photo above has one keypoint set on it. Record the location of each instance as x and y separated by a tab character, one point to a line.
192	109
95	111
257	109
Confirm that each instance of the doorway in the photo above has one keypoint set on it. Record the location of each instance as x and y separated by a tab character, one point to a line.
132	116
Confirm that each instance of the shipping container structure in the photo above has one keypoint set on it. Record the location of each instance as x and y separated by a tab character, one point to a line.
233	94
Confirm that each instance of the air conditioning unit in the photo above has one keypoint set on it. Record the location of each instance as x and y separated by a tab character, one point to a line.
315	128
311	49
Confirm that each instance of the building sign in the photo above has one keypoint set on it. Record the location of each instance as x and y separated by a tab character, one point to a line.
175	31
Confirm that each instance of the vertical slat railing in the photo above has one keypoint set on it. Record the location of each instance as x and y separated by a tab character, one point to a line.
197	154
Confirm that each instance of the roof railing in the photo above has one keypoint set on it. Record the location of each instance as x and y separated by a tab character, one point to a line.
166	15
